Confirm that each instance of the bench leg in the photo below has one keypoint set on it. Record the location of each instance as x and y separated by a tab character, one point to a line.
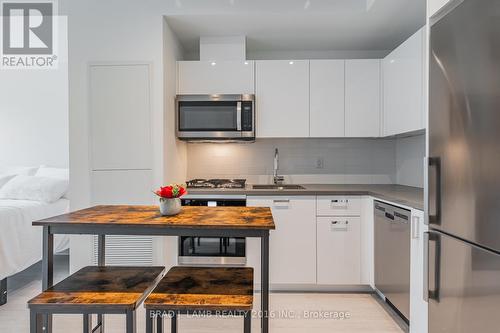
159	324
87	323
149	322
131	322
173	323
247	322
101	261
35	322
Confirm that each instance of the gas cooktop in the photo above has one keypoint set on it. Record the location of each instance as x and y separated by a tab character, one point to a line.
216	183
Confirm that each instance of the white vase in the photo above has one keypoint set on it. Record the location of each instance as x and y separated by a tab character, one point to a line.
170	206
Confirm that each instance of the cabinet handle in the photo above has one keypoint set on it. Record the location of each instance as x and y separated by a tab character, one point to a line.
336	226
415	227
339	203
281	203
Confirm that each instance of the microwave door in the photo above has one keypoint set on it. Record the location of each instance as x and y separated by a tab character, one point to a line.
209	119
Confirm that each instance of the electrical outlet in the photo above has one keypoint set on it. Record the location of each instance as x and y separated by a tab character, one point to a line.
320	163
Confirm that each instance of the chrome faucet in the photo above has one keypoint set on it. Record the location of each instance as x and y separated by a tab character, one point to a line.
278	180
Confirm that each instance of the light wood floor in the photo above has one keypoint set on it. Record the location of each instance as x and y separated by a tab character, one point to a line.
366	314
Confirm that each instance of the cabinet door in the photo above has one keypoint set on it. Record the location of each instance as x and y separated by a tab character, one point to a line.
418	307
362	98
339	250
218	77
403	87
282	97
292	246
327	98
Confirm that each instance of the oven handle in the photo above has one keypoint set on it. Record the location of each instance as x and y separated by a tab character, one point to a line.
238	116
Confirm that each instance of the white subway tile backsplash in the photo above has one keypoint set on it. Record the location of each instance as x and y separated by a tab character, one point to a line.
344	160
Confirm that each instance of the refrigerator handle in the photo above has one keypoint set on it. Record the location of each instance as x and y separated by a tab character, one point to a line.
426	267
436	217
434	293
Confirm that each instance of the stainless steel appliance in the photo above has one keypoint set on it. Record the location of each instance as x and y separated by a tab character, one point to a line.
215	117
463	199
392	256
203	251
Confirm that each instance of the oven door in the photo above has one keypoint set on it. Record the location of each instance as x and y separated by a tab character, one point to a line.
214	117
212	251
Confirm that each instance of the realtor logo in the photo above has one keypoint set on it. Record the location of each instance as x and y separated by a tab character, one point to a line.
28	34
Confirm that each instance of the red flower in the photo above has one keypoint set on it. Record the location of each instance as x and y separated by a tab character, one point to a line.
171	191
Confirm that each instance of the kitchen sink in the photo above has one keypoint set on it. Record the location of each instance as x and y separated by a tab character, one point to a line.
278	187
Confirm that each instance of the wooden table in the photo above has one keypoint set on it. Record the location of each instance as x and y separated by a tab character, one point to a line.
146	220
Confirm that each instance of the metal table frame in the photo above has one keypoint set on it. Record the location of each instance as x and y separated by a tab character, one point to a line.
49	230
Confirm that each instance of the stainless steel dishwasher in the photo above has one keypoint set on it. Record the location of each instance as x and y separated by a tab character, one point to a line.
392	256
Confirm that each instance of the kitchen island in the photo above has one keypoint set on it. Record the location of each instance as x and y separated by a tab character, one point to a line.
146	220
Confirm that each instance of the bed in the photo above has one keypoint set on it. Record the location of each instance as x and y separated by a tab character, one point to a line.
20	242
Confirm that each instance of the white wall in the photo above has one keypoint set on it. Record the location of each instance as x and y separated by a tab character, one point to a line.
175	153
109	31
34	113
410	154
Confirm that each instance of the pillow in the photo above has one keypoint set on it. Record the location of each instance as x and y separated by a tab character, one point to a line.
5	178
34	188
18	170
53	172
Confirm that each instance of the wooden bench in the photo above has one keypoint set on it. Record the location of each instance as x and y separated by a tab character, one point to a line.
97	290
201	291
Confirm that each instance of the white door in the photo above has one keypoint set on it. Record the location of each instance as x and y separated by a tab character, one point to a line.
215	77
282	98
327	98
292	246
339	250
418	307
403	75
362	98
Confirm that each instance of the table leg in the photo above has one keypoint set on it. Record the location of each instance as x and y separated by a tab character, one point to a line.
265	282
131	321
47	274
101	261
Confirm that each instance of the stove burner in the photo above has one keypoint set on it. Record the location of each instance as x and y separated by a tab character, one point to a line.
216	183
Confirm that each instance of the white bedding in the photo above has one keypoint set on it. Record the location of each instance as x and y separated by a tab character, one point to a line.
20	242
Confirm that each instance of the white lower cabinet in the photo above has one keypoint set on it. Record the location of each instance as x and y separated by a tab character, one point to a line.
339	250
292	245
418	307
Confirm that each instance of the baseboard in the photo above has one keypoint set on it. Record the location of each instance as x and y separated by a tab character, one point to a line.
316	288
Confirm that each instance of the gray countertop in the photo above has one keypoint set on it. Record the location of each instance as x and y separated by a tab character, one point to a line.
412	197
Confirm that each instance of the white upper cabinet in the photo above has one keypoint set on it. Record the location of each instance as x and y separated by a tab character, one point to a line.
282	98
327	100
215	77
404	87
362	98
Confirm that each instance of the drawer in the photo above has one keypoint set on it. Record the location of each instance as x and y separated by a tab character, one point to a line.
338	206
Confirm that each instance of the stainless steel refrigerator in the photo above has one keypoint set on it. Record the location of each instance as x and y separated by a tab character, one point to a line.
463	242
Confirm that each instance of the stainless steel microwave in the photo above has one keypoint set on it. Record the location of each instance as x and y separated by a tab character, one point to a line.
215	117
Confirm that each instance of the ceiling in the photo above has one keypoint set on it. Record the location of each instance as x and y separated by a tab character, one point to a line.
298	25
